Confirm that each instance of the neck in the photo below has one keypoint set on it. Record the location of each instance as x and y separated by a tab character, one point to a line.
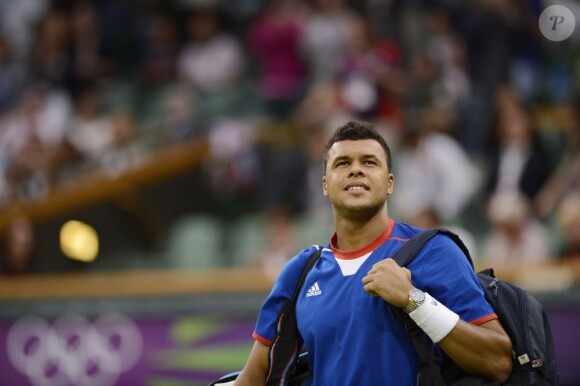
353	233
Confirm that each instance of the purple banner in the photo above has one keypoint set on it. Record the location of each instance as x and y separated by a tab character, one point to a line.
113	349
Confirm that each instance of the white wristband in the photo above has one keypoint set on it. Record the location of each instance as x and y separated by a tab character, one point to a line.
434	318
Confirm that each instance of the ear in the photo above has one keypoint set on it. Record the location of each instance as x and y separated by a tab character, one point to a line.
390	184
324	187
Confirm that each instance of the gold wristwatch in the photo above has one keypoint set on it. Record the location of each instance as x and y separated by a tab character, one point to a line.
416	298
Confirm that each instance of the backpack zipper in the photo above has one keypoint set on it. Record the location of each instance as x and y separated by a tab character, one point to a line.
494	284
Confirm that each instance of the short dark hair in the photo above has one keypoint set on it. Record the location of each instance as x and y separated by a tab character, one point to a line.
356	130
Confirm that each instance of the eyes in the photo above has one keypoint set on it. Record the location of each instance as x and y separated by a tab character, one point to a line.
365	162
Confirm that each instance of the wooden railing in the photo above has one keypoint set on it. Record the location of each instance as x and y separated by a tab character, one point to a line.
100	186
132	283
556	277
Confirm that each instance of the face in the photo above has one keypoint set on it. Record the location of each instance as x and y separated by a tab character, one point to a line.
357	178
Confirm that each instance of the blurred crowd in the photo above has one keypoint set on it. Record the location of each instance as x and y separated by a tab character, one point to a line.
482	112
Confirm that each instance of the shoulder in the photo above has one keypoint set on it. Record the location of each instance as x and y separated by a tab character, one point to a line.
445	242
302	257
439	251
292	270
404	231
442	256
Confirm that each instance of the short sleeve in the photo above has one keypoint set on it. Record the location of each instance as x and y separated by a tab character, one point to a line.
442	270
282	291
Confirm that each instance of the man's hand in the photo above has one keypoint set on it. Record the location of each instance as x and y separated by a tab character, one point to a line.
389	281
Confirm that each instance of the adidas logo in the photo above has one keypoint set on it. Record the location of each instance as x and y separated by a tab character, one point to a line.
314	290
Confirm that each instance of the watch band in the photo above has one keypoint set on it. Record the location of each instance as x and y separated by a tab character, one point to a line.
416	298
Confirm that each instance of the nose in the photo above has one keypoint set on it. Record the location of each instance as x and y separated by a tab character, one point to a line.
355	170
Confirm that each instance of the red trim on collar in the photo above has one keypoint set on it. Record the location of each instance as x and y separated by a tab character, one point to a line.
349	255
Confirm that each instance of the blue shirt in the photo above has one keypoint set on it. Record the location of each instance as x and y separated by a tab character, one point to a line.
354	338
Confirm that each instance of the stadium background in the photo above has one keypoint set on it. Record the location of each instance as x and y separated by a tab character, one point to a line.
161	160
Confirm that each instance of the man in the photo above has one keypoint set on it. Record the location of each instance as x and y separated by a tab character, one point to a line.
346	321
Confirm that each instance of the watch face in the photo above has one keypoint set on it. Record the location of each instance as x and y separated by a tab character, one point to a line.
416	298
417	295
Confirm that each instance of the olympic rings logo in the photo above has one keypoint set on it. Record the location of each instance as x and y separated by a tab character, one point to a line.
73	350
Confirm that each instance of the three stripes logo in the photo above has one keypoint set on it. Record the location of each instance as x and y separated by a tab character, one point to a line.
314	290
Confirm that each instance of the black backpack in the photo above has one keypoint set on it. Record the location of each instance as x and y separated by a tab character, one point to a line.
521	315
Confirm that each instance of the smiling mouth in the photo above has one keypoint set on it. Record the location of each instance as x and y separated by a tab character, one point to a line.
356	188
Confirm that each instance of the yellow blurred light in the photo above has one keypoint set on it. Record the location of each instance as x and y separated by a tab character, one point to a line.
79	241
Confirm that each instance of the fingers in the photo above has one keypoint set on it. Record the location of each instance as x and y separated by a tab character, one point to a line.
386	273
389	281
368	283
389	265
369	291
368	278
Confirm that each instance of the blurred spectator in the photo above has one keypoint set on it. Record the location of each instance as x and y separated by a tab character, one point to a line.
438	164
117	34
103	141
370	80
12	76
566	177
487	27
328	32
47	112
281	242
516	236
33	136
91	130
519	160
86	45
158	50
18	20
321	105
212	62
126	150
569	224
211	59
527	68
451	87
177	119
274	38
281	153
317	206
52	57
29	170
19	247
232	167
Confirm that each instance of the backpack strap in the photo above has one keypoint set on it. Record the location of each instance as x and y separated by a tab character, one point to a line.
407	252
430	373
286	347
